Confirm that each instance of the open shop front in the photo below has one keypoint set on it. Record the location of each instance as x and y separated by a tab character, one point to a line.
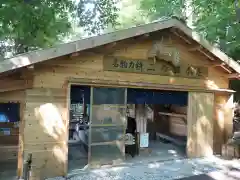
110	125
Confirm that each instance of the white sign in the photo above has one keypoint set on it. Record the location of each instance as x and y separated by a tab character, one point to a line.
129	139
144	140
107	107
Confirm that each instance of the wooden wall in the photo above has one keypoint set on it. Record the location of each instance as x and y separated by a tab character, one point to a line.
45	115
89	65
45	132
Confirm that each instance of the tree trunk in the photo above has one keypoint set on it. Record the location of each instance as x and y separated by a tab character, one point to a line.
19	47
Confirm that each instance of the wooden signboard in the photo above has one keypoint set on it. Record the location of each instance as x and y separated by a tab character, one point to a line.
113	63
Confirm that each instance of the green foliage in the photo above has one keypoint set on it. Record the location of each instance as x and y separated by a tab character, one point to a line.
130	14
34	24
31	24
216	20
219	24
156	9
94	15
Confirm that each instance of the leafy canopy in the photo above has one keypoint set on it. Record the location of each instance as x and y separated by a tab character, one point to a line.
31	24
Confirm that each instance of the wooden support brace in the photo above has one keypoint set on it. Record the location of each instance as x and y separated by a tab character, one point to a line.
226	69
182	37
235	75
216	65
210	57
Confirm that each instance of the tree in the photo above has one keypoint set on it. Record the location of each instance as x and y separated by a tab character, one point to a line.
31	24
96	15
130	14
215	20
156	9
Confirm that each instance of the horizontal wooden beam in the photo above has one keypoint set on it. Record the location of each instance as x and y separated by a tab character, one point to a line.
127	84
11	84
217	65
8	125
233	76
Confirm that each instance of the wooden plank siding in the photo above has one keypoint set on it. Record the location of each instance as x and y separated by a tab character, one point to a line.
89	65
46	131
16	80
200	124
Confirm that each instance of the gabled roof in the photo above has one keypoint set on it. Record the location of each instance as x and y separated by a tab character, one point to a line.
83	44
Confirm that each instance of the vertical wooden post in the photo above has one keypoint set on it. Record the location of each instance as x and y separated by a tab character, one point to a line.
21	141
140	118
200	124
67	88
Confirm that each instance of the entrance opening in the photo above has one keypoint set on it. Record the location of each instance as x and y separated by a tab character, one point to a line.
9	137
161	123
110	124
78	127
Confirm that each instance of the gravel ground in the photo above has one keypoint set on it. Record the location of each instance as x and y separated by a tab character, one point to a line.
155	170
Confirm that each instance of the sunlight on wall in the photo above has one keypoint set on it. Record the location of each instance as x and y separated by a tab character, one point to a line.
211	84
60	153
203	127
171	80
52	130
230	103
51	120
220	118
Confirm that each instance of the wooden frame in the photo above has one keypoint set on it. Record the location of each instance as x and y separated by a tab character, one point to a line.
141	85
99	83
90	116
68	104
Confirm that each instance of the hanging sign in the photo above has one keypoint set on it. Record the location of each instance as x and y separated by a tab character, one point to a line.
121	64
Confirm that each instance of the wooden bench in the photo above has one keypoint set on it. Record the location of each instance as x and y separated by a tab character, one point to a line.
9	142
8	153
171	139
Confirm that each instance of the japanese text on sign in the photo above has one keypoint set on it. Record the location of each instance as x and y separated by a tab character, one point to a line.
149	67
137	65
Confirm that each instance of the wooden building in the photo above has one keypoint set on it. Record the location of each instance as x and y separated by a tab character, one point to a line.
164	55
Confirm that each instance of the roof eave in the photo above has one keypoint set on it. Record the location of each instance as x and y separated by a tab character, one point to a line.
83	44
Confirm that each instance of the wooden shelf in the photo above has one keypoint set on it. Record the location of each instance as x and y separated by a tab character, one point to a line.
173	114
